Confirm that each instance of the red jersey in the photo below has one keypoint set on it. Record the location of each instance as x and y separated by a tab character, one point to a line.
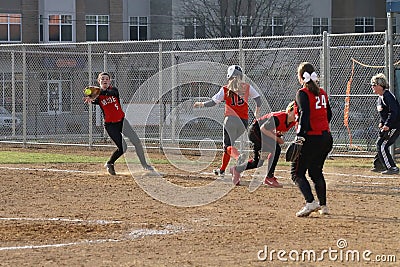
280	125
110	105
237	105
318	111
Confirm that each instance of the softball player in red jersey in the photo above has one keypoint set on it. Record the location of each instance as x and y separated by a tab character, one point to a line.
266	135
314	114
115	122
236	95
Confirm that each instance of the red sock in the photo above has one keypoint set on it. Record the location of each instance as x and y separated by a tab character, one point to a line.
233	152
225	161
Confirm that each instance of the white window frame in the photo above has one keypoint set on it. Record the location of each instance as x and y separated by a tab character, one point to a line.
11	19
273	23
63	20
364	24
320	24
98	20
138	22
196	25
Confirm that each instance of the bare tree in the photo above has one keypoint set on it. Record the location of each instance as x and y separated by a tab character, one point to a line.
236	18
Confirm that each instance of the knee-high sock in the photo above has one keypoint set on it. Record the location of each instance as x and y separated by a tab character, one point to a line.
225	160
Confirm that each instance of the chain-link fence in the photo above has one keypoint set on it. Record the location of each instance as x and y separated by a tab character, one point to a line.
41	86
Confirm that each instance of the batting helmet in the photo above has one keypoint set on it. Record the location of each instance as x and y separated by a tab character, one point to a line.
234	71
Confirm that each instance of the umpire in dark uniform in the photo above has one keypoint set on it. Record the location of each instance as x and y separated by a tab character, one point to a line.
389	125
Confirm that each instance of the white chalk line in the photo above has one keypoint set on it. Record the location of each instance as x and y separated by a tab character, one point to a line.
62	220
135	234
44	169
60	245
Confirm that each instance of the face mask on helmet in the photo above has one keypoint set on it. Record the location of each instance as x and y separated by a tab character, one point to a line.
234	71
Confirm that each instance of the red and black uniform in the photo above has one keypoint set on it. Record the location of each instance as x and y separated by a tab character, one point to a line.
276	122
236	116
116	125
314	115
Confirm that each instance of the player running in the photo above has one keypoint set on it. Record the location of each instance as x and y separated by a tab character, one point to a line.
236	94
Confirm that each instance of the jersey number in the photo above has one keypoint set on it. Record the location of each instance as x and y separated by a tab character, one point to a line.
240	101
320	102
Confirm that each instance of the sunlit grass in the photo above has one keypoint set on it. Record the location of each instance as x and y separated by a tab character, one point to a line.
14	157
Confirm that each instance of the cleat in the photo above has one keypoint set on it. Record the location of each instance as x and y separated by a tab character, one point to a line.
272	182
324	210
377	169
392	170
219	172
307	209
235	175
110	168
148	168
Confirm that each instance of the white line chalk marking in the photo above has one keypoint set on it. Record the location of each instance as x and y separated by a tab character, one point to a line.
43	169
61	245
61	220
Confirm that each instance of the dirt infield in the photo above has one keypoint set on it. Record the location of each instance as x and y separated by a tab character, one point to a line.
78	215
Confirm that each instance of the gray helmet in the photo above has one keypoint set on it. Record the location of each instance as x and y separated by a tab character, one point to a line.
234	71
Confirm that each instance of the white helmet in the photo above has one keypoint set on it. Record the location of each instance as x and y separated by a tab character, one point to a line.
234	71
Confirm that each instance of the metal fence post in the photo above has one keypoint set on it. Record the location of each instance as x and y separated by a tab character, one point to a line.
90	104
325	62
24	101
13	90
160	85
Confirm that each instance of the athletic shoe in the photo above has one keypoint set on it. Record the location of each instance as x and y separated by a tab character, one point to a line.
110	168
235	175
307	209
375	169
324	210
219	172
392	170
148	168
272	182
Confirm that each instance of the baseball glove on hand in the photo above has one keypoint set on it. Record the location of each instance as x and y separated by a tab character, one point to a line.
384	135
294	149
92	91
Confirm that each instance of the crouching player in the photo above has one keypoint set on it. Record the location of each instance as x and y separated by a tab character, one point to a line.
266	135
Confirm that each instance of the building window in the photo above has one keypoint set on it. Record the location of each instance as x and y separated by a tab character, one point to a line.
97	27
364	25
138	28
41	33
273	26
239	26
60	28
320	25
194	28
10	27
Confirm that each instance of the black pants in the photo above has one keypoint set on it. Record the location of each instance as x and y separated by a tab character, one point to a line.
262	146
115	131
383	159
312	158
